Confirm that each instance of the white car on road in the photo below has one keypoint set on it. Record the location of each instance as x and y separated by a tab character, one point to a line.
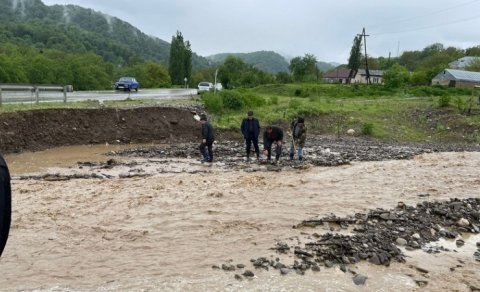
205	86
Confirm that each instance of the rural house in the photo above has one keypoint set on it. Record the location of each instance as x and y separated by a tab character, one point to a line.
457	78
376	76
461	63
339	76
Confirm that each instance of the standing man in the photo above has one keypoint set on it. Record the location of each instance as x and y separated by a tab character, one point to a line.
208	136
299	135
250	130
5	203
273	134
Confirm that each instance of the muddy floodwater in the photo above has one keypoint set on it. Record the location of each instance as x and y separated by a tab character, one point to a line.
161	224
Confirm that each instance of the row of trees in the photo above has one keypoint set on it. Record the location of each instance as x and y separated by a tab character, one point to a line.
87	71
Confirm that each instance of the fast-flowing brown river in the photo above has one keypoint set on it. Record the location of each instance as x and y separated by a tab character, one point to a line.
165	231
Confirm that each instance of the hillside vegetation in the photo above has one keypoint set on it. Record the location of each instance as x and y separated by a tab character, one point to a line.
267	61
420	114
74	29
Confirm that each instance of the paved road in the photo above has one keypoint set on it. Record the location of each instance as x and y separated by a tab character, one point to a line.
99	95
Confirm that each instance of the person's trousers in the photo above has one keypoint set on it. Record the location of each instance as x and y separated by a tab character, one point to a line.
299	151
207	156
248	144
278	151
5	206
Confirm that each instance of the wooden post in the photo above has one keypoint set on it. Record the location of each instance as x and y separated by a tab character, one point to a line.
37	95
1	96
65	94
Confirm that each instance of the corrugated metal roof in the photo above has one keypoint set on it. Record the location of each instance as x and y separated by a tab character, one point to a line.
372	72
464	75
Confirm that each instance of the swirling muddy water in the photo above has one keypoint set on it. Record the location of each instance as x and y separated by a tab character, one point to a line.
164	231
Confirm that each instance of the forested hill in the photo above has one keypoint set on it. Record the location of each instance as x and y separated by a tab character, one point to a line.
74	29
267	61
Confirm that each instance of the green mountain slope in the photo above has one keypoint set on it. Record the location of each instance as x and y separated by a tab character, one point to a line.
267	61
75	29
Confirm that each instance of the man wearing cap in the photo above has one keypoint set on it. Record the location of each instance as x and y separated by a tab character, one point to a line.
208	136
273	134
251	129
299	135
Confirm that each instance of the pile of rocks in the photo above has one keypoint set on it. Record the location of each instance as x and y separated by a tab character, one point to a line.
376	236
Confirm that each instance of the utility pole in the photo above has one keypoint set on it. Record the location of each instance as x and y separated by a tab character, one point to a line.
366	56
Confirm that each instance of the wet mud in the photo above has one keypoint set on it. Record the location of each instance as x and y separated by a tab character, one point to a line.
153	217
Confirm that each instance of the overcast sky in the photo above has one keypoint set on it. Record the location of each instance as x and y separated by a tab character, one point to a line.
295	28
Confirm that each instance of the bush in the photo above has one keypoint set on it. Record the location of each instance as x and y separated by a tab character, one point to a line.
251	100
367	129
232	100
273	100
213	102
444	101
297	92
294	104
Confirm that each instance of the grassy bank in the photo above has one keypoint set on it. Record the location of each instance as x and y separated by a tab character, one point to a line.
409	114
128	102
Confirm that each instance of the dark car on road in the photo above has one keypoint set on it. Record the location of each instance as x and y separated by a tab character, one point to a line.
127	83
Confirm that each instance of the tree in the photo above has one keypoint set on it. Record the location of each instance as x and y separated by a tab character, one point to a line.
355	53
180	62
474	66
396	76
303	67
473	51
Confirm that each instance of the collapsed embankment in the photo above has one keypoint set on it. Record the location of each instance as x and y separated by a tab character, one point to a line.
40	129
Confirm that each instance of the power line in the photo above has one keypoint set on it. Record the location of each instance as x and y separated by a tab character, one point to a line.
427	14
366	56
429	26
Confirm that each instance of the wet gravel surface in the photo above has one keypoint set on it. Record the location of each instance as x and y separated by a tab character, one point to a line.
319	151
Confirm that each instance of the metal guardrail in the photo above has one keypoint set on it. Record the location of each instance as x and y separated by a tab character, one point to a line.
34	89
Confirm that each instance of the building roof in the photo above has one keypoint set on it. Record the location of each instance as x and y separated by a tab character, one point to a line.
339	73
458	75
372	72
463	62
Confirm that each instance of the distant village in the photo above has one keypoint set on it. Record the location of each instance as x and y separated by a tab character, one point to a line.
453	76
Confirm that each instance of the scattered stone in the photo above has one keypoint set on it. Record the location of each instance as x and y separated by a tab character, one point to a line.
421	283
460	242
463	222
359	279
474	288
422	270
400	241
238	277
248	274
226	267
284	271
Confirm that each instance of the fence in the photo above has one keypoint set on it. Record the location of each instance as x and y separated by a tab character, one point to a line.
34	90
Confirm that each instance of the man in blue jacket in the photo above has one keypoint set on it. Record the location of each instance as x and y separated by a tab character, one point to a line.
5	203
250	130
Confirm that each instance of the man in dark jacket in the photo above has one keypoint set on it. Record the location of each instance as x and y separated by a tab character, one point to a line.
250	130
299	135
208	136
273	134
5	203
